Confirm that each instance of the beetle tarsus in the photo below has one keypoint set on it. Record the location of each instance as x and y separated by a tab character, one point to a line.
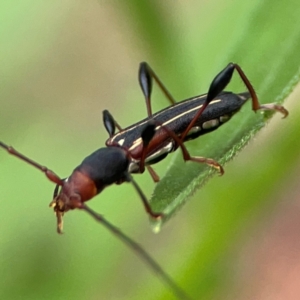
275	107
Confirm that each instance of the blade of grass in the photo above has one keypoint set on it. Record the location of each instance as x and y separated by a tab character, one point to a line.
273	76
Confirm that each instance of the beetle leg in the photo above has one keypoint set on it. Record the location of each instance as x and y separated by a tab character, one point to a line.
153	174
209	161
218	85
147	135
223	79
110	123
146	74
185	153
143	198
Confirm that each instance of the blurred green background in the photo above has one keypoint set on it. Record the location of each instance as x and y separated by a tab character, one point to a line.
62	63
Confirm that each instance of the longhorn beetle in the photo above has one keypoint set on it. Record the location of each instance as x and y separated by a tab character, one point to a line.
138	146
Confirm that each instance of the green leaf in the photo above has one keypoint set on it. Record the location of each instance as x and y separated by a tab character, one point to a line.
64	62
272	64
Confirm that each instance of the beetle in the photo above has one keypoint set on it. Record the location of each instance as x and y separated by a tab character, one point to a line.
137	147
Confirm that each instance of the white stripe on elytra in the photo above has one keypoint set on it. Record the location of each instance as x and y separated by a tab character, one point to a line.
138	141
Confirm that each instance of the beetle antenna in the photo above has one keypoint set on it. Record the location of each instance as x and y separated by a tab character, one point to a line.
50	174
180	294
